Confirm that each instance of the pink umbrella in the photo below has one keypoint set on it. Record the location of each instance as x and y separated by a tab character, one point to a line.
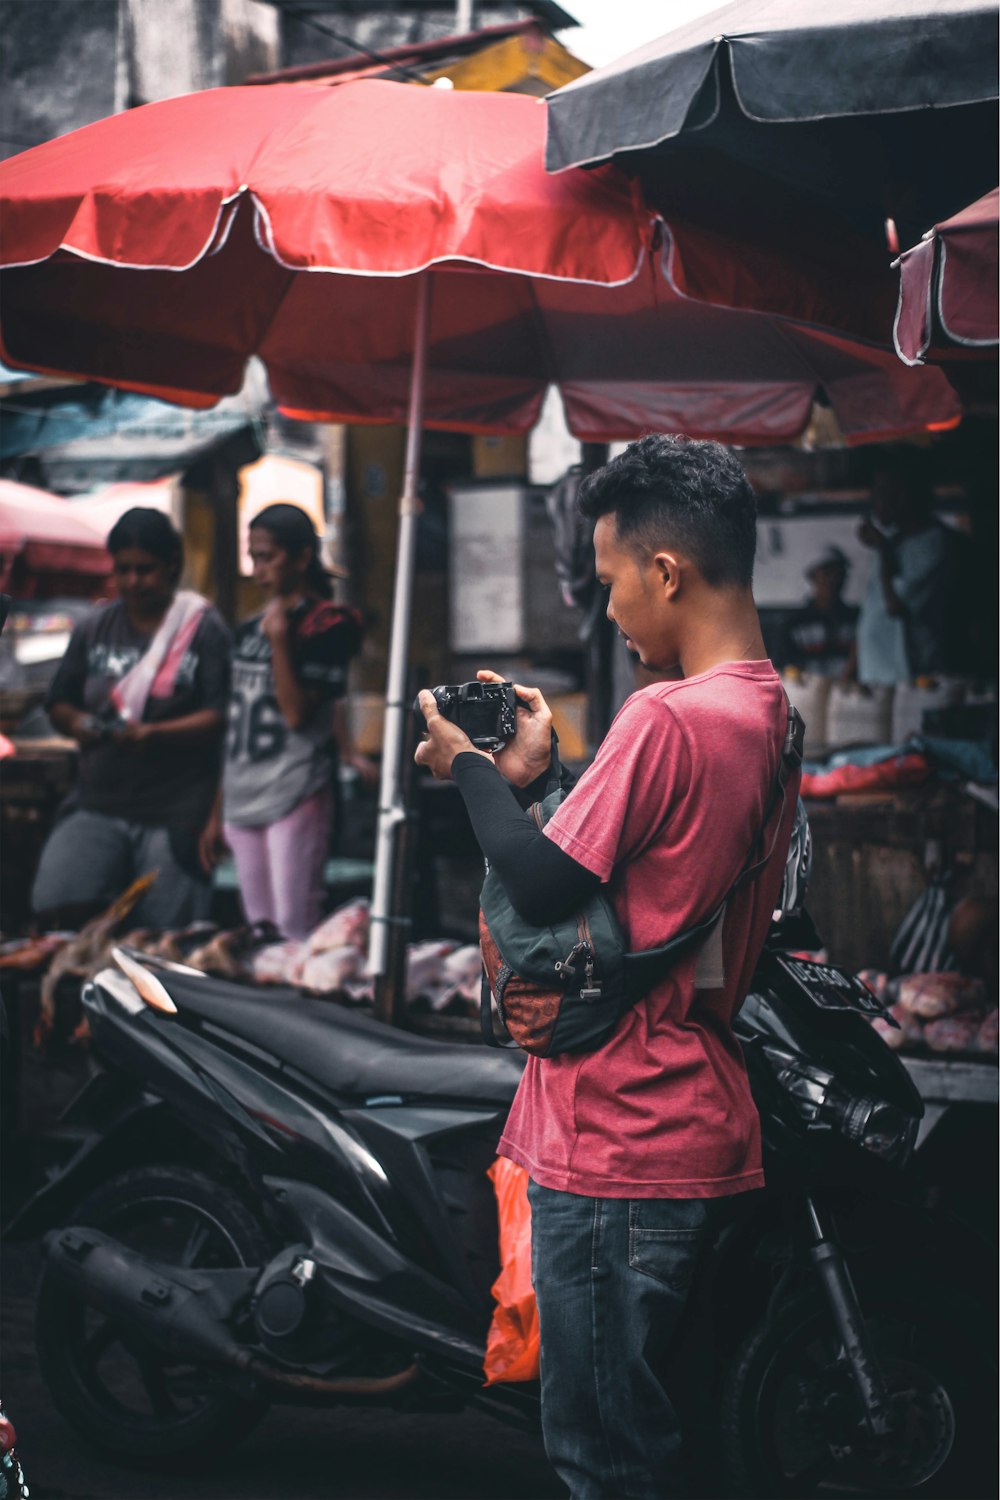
949	307
47	534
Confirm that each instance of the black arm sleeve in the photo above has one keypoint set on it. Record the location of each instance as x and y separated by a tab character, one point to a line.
543	884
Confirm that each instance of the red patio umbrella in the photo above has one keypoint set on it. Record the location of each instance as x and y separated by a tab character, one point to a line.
159	249
949	306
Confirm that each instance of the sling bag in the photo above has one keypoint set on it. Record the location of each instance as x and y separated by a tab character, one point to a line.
565	987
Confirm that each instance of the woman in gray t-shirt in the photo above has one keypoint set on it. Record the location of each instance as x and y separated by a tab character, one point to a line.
148	767
289	665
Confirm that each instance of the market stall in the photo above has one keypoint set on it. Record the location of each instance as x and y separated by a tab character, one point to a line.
53	561
904	893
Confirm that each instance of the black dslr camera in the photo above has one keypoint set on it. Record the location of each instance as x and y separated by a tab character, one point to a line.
485	711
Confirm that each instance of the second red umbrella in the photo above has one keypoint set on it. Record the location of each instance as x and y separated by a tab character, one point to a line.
948	303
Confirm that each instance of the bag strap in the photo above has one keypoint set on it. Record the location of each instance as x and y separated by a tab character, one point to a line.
486	1011
645	969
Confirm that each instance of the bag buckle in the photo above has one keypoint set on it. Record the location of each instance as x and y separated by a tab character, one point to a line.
590	991
566	965
794	746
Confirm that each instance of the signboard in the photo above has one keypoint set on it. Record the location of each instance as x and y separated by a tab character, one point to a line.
486	572
788	545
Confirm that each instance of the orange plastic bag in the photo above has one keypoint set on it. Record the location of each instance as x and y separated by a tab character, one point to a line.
513	1342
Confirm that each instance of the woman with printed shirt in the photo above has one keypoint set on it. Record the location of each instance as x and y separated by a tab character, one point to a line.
143	689
289	666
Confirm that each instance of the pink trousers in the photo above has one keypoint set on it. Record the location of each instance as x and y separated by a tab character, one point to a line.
280	866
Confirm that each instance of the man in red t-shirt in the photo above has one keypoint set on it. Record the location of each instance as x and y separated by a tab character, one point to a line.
632	1150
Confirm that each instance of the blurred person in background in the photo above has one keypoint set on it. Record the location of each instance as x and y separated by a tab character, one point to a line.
287	728
142	688
819	637
912	619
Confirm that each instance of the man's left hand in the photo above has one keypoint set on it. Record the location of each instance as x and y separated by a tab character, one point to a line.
444	740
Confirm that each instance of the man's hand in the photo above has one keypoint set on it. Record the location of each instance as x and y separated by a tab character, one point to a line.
444	740
529	753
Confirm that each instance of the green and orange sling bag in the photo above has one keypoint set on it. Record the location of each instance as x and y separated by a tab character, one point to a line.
565	987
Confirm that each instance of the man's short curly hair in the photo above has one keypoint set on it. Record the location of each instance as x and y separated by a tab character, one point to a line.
674	491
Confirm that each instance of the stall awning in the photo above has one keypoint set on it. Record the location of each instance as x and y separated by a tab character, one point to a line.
47	534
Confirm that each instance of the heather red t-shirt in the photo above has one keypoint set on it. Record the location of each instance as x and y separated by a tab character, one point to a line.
666	815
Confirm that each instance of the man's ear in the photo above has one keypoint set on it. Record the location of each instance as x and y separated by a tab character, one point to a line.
669	572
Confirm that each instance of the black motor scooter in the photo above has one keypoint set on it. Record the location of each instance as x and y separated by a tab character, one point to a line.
273	1198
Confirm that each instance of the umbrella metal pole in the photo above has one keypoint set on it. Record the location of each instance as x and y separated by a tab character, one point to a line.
392	809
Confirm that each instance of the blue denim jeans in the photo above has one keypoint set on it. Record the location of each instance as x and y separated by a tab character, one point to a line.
612	1277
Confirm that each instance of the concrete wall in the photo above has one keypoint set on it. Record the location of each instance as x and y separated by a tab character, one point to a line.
185	45
66	63
57	68
249	39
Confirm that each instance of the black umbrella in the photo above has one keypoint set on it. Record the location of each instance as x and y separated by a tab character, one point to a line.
801	126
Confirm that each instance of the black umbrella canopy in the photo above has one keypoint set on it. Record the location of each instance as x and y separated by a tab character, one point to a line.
850	110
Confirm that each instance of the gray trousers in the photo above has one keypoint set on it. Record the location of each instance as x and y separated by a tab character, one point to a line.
91	857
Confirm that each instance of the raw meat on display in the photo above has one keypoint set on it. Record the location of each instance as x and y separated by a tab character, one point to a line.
331	969
279	963
906	1033
931	996
986	1037
347	927
953	1033
425	962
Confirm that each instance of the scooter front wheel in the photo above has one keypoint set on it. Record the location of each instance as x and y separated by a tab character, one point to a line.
793	1425
119	1394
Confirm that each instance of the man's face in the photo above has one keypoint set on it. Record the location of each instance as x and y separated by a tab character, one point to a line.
636	600
828	584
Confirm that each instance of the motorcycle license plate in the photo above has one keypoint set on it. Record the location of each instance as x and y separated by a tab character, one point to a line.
833	989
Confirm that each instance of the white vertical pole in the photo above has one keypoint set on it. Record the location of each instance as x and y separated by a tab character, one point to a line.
391	810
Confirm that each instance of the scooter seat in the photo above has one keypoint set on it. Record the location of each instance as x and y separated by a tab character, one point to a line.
347	1052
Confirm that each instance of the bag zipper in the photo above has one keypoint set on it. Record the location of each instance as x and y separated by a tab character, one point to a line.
590	991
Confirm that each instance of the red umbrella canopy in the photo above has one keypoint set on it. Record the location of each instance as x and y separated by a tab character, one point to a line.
161	248
949	307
